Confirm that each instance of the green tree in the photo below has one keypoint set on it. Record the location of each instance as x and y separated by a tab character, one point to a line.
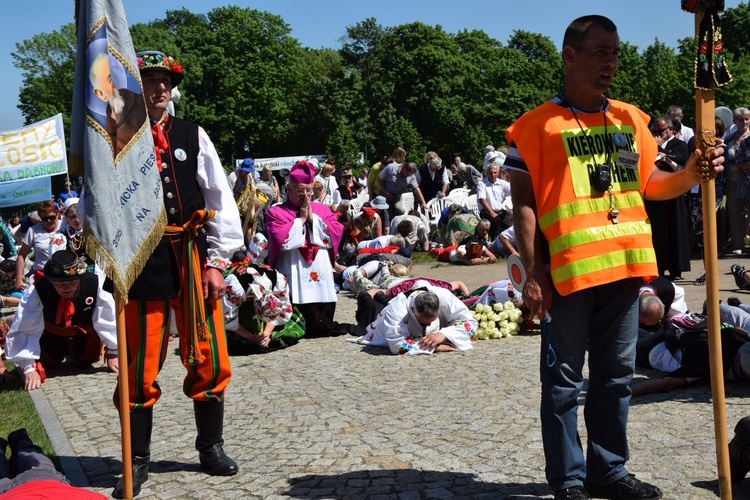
632	72
428	75
364	54
663	75
243	74
330	117
736	93
47	62
735	25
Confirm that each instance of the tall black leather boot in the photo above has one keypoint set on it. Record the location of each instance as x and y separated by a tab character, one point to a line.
141	423
209	418
739	451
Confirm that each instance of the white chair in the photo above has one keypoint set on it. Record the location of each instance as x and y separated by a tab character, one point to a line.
471	204
435	207
458	195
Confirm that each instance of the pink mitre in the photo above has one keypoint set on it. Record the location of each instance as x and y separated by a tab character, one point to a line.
303	172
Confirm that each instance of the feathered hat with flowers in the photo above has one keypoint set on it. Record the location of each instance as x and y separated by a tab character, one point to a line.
153	59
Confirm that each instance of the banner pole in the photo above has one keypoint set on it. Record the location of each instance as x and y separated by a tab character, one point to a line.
124	401
705	121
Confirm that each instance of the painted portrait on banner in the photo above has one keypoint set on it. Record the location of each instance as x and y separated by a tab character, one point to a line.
114	100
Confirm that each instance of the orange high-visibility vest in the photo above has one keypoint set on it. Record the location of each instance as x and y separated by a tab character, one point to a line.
586	248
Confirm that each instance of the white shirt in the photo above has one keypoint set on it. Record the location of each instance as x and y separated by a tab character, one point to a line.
370	271
379	242
23	337
224	230
419	231
43	243
495	194
686	133
329	183
327	201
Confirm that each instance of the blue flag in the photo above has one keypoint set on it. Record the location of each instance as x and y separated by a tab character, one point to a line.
111	143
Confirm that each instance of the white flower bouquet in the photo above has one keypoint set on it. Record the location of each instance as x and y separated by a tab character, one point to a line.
498	320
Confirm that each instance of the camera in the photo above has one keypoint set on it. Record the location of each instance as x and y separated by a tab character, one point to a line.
603	177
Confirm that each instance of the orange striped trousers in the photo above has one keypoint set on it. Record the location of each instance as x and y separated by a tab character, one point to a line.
148	340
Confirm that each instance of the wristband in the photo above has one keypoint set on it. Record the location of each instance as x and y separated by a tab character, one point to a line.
29	368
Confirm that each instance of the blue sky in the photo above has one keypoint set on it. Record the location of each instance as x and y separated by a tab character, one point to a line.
321	23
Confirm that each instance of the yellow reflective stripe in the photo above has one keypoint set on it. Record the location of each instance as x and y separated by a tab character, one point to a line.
590	206
599	233
603	262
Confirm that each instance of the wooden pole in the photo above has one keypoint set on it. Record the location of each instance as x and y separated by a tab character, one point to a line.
705	120
122	358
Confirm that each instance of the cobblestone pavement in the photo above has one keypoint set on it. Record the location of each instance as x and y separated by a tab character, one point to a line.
329	419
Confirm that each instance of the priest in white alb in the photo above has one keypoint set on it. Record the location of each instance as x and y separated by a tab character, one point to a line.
303	238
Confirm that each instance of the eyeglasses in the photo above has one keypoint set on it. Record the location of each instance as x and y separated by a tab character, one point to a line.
303	190
49	218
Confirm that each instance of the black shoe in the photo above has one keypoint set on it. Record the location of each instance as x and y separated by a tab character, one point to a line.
739	451
734	302
140	476
572	493
381	298
16	437
216	462
627	487
739	280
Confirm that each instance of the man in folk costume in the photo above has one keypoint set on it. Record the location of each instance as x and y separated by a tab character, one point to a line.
183	274
303	239
66	312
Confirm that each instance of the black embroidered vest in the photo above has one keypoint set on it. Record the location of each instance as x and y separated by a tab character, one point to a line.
161	277
84	302
430	187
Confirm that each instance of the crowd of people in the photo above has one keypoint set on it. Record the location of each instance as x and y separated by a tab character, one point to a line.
597	231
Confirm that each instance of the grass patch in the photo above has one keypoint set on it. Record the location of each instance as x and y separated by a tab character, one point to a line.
422	258
19	411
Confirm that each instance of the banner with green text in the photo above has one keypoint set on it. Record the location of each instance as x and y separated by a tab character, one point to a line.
15	194
37	150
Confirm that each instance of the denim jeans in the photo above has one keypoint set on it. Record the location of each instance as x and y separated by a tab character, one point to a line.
604	320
